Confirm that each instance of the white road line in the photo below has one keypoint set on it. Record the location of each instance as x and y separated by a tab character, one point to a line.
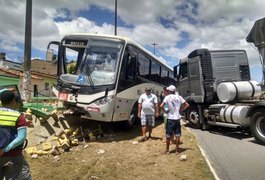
203	153
208	162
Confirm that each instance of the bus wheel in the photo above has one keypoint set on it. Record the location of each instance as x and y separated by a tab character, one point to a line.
257	126
132	120
193	117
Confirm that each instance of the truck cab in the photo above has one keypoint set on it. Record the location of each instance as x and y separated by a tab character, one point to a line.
202	71
218	87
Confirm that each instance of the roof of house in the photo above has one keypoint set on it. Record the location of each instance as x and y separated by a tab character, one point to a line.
38	67
17	73
44	67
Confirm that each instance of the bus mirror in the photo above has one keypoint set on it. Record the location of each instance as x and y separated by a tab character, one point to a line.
49	55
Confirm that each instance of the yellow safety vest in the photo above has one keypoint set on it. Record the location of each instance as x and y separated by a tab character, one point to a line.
8	117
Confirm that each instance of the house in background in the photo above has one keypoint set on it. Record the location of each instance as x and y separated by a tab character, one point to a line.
10	77
7	78
47	70
4	63
43	75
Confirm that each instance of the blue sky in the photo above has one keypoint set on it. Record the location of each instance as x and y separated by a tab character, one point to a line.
177	26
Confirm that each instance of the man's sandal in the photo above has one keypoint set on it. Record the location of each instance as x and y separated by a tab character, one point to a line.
166	152
142	139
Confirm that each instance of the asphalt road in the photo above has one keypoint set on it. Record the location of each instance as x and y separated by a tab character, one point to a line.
232	154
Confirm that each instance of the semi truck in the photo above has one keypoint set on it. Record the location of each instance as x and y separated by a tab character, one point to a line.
218	86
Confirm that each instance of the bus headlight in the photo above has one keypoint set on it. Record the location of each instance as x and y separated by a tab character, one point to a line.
104	100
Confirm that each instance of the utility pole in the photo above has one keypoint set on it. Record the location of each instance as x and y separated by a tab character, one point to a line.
115	28
154	44
27	52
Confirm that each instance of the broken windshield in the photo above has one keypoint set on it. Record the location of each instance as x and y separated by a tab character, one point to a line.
96	64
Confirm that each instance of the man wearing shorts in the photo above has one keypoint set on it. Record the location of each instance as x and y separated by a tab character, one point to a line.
175	104
147	110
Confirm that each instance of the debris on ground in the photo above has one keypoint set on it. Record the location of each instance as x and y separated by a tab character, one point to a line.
117	155
101	151
134	142
63	141
183	157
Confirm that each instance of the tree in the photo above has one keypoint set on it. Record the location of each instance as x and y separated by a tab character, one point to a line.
71	67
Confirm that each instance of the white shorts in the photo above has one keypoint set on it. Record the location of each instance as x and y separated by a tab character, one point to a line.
148	119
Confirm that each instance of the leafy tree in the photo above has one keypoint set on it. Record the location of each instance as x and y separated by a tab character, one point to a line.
71	68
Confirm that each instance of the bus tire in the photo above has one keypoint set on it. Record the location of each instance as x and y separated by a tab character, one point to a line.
132	119
257	126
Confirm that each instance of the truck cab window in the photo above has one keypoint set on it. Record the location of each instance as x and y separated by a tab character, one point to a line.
194	69
183	71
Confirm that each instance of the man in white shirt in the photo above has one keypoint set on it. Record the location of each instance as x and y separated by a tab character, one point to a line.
147	110
175	103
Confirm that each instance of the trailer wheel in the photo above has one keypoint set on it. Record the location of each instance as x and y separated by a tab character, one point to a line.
257	126
193	117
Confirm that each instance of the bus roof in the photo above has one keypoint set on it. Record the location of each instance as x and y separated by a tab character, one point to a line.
126	39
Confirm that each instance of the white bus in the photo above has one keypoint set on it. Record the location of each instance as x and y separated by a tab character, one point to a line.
108	76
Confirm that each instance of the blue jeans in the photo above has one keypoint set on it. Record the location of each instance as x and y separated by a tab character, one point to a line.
11	167
14	167
25	173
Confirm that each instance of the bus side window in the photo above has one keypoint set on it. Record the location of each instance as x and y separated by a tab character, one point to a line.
130	73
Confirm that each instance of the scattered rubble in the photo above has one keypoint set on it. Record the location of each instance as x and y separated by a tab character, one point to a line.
183	157
34	156
93	177
134	142
63	141
101	151
56	158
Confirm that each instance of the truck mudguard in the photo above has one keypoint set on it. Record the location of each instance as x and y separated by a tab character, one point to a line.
255	107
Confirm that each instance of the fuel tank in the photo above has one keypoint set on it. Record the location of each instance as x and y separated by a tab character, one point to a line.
241	90
235	115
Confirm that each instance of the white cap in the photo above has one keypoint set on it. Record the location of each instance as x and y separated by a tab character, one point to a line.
171	88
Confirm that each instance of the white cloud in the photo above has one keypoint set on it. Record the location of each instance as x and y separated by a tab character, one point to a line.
146	34
218	24
9	46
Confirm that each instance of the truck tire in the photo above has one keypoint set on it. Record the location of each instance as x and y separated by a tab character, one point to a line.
257	126
194	118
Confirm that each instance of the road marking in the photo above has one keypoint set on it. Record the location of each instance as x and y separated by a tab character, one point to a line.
208	162
204	155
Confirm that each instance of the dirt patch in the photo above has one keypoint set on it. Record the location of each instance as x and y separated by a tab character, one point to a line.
119	156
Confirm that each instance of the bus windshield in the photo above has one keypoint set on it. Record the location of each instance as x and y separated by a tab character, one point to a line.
96	63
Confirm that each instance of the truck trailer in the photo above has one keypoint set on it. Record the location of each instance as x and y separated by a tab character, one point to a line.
218	86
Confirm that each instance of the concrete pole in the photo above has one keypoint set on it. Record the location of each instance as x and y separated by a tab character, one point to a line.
115	29
27	52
